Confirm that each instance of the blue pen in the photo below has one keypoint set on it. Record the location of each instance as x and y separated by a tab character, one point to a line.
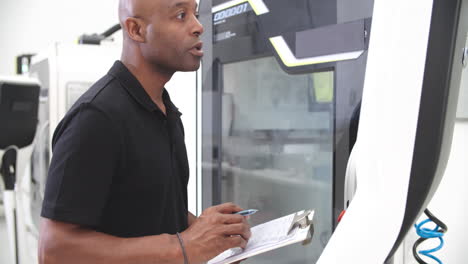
247	212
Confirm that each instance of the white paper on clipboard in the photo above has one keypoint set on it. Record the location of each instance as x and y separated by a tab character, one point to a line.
266	237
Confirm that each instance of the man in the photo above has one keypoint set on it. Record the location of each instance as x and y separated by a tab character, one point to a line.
116	190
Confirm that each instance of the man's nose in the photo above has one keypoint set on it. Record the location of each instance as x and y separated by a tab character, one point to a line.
198	28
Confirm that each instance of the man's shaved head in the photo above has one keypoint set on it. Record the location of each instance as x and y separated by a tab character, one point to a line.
164	34
136	9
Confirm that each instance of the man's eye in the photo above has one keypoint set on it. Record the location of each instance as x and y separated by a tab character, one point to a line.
181	16
197	15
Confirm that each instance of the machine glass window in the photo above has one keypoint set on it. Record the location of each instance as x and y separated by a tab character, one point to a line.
279	89
277	144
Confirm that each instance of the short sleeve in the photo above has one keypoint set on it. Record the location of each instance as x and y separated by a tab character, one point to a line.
85	160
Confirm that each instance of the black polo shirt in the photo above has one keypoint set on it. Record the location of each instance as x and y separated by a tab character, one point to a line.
119	164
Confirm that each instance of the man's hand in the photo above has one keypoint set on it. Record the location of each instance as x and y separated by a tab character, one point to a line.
215	231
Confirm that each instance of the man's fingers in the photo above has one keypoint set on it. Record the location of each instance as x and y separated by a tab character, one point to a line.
236	241
228	208
231	219
238	230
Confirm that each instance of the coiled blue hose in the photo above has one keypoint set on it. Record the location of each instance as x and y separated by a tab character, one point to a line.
428	234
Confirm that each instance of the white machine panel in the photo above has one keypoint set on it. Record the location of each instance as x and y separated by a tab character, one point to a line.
391	96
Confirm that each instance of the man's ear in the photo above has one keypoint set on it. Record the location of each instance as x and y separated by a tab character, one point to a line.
136	29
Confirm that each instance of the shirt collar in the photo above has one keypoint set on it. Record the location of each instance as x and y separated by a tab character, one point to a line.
136	90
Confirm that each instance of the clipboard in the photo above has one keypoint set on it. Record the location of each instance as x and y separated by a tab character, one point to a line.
277	233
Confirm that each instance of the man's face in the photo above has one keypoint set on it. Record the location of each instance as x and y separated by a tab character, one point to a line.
172	36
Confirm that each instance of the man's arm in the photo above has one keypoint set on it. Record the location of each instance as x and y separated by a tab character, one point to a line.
191	218
68	243
215	231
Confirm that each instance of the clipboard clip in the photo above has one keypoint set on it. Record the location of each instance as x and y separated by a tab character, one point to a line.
300	220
